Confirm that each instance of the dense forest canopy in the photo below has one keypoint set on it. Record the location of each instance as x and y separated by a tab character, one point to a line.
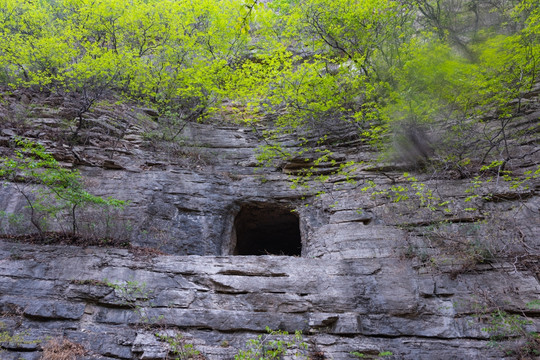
380	66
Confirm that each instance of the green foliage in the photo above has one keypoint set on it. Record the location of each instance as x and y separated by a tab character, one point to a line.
390	70
50	189
370	67
418	193
179	347
6	338
130	292
274	345
169	53
535	304
137	297
381	355
14	222
502	326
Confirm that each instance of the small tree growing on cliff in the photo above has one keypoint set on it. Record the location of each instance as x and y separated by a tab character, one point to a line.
51	188
274	345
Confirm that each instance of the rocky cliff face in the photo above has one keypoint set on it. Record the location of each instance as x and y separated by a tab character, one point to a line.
366	275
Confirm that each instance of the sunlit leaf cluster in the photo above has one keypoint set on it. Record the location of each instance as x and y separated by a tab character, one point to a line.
377	65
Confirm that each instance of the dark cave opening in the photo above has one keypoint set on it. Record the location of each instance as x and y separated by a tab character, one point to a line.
267	229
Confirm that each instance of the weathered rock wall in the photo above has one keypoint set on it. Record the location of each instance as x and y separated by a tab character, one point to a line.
365	305
373	276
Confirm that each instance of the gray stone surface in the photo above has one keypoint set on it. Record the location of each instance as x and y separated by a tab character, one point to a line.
341	305
373	275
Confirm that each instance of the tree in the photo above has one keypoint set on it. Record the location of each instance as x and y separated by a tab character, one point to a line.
48	188
312	66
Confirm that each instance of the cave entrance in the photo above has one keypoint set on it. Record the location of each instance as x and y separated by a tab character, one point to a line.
267	229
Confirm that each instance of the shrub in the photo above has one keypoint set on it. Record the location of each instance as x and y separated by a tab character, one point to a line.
274	345
180	348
